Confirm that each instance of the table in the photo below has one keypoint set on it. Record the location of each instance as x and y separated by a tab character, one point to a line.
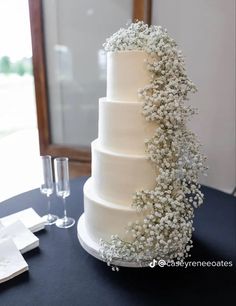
62	273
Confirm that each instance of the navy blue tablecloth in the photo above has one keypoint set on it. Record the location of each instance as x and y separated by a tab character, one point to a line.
62	273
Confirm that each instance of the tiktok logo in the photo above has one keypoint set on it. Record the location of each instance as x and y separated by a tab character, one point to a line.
161	263
153	263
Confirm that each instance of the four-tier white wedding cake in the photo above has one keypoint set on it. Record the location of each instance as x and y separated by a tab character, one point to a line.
135	208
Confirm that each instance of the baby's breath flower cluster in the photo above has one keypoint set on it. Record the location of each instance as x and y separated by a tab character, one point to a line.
168	209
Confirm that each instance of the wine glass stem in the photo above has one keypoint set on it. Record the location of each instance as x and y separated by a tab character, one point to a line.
64	204
49	205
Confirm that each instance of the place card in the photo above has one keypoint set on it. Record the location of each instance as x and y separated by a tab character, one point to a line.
12	262
28	217
23	238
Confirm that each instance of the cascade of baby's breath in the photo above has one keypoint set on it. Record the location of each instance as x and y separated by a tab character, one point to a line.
166	230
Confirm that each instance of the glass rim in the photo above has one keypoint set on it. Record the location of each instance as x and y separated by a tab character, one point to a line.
63	158
45	156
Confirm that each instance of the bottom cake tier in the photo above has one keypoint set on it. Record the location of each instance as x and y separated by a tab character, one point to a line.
102	218
93	248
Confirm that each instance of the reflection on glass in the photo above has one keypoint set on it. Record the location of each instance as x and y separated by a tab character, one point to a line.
63	64
76	64
102	64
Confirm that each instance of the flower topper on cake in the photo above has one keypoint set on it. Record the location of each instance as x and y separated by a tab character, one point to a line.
166	229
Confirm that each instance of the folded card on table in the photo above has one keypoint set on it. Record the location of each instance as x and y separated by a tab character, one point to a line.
12	262
28	217
23	238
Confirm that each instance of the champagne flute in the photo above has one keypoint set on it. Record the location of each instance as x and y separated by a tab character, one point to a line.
63	188
46	187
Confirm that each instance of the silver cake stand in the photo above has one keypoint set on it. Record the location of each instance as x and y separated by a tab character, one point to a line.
93	248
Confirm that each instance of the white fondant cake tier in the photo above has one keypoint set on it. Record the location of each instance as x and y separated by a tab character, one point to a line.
104	218
126	74
119	163
117	176
122	127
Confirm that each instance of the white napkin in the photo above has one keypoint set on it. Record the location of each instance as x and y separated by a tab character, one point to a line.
28	217
23	238
12	262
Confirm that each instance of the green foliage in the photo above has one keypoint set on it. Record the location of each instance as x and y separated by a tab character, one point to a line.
21	67
5	65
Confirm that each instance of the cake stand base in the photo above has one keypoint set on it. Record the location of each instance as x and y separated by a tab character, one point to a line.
92	247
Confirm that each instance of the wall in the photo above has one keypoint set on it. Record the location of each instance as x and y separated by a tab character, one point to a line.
205	31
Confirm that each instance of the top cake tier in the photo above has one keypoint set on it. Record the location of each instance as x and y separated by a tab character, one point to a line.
126	74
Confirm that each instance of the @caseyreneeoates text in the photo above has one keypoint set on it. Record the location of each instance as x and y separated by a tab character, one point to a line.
187	264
